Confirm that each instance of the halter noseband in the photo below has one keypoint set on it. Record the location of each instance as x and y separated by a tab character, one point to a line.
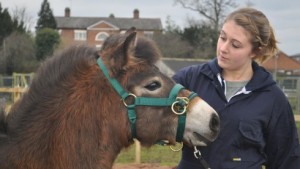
178	104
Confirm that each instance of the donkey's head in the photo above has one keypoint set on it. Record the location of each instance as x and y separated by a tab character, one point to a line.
156	106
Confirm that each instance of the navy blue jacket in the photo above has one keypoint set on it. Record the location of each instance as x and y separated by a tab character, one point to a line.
257	125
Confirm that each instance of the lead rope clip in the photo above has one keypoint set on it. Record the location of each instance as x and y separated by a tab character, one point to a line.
198	156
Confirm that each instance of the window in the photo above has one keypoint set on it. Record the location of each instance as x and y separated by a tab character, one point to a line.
80	35
289	84
148	34
101	36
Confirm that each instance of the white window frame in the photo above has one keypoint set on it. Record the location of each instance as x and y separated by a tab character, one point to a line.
99	36
80	35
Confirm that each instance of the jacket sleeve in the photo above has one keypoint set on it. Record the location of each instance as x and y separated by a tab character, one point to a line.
282	149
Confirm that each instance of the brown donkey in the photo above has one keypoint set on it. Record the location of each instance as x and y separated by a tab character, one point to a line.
73	118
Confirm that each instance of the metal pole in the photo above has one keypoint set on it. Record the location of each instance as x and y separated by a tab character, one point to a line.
276	66
298	96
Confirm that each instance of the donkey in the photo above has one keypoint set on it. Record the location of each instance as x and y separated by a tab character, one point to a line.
73	116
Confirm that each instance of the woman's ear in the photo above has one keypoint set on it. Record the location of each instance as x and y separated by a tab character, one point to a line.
256	52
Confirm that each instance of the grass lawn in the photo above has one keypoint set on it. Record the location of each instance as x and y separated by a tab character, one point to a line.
162	155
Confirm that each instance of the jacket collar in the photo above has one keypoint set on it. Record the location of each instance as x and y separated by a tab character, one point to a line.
261	77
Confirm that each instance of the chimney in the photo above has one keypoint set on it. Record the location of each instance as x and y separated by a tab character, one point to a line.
67	12
136	14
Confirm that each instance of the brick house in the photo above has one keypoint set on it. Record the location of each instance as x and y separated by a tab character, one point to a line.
94	30
296	56
282	63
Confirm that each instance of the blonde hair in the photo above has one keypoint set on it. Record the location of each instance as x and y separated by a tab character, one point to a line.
261	32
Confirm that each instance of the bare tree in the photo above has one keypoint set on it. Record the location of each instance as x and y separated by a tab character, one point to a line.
172	46
213	10
20	14
170	41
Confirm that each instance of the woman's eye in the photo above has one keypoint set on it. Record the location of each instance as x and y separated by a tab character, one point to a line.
223	38
153	86
235	45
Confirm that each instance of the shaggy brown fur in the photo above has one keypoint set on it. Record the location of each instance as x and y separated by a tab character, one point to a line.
71	117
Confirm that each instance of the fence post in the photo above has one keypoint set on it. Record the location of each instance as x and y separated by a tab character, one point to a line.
297	117
137	151
298	96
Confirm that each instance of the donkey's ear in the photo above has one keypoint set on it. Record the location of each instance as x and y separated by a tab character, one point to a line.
124	54
129	44
132	29
128	48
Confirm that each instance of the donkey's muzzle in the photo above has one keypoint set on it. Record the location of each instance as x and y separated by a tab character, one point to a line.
214	124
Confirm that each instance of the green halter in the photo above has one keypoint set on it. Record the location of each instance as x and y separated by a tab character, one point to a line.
178	104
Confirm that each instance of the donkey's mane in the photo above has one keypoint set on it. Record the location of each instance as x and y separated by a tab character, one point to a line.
60	67
50	85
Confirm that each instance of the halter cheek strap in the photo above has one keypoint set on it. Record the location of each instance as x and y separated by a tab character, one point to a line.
178	104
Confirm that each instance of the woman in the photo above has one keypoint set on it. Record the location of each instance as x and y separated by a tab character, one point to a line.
257	123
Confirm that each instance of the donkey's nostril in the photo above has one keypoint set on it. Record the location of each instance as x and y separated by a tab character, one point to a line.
214	123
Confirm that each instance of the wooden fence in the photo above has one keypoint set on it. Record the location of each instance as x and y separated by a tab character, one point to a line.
16	92
297	118
12	90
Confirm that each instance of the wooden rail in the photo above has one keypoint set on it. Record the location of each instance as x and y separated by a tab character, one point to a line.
13	90
16	92
297	118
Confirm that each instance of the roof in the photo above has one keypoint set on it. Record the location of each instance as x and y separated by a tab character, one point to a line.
121	23
296	56
281	62
177	63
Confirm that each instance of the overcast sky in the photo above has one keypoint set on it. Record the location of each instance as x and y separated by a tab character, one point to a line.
283	15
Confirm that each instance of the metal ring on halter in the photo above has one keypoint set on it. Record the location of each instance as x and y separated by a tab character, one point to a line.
130	94
198	156
186	101
176	150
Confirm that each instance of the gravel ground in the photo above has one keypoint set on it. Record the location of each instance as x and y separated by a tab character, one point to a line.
141	166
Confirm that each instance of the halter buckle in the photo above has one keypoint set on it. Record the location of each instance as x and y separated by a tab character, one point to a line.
179	106
129	95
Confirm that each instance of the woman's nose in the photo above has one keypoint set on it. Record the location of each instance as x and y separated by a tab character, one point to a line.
224	47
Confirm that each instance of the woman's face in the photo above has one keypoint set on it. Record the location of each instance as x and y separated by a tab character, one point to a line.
234	50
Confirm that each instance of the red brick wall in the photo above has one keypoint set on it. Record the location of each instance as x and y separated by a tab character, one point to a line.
67	36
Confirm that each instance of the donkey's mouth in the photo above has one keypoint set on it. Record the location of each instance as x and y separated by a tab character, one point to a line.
202	139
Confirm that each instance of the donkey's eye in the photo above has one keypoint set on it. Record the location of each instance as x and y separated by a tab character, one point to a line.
153	86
